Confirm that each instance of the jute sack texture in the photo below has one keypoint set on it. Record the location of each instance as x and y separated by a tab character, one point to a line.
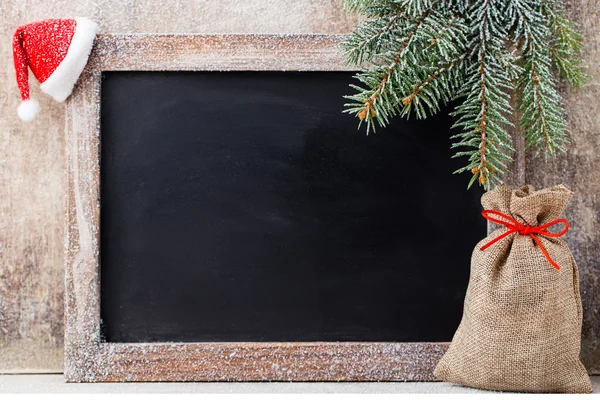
521	324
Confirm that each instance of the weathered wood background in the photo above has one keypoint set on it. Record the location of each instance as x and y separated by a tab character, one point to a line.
32	158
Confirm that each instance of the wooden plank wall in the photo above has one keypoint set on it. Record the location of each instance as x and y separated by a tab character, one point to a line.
32	158
579	169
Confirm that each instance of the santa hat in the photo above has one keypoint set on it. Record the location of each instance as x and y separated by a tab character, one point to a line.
56	51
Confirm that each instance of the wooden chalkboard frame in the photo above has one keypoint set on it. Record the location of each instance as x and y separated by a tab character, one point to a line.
87	357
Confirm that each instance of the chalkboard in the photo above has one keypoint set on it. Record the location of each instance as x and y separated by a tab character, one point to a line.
244	206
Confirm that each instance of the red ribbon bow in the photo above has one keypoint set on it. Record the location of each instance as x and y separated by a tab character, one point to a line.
517	227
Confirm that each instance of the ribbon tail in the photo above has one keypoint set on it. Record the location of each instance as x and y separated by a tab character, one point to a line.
539	243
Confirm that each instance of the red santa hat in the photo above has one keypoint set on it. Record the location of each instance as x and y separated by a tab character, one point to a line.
56	51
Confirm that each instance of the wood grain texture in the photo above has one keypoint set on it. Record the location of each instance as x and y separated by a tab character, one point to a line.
82	269
32	156
579	169
87	358
344	361
237	52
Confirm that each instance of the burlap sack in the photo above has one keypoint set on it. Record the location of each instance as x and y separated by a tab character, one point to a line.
521	325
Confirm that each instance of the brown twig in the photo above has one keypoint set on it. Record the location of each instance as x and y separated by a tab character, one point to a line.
418	89
369	108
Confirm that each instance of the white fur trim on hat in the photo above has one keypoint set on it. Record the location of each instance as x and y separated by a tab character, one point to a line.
28	109
60	84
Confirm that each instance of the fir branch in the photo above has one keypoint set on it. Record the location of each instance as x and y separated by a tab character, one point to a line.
370	108
418	90
416	7
433	39
565	45
367	41
542	118
459	5
418	54
373	8
444	86
482	116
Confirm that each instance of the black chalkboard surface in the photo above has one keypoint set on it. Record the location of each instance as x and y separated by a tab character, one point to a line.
244	206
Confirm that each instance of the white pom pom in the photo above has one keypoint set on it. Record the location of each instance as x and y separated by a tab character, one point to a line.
29	109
